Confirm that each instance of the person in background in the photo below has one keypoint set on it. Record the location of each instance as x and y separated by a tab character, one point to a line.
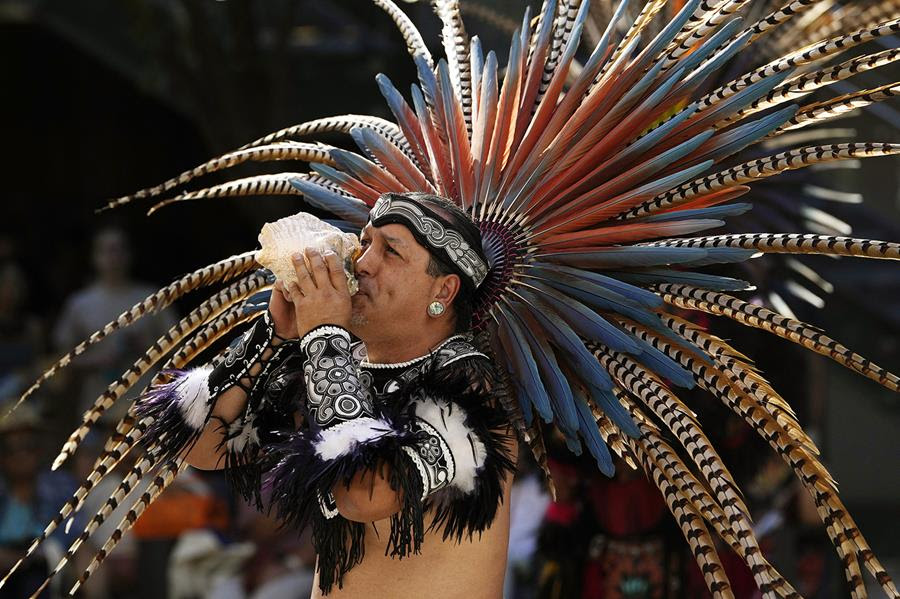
29	497
112	292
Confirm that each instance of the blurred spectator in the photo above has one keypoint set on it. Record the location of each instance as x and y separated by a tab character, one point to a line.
188	504
281	564
20	332
200	562
528	503
562	539
29	499
112	292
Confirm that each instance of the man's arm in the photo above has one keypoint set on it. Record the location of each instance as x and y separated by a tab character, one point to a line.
208	452
369	496
191	413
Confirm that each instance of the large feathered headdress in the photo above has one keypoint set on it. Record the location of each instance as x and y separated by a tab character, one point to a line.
590	181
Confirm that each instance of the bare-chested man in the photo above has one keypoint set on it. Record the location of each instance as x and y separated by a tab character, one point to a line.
402	451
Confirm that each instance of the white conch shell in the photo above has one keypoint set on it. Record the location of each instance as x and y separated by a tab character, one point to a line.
281	239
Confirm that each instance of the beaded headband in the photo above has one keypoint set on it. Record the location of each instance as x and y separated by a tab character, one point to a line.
432	231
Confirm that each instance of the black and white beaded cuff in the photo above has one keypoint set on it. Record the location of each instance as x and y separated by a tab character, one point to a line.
334	393
324	330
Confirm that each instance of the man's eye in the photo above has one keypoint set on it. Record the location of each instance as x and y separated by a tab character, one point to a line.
392	250
363	242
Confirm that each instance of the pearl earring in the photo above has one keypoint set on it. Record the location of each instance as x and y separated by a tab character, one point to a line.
435	309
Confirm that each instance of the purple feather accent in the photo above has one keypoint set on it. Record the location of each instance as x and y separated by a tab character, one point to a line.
165	404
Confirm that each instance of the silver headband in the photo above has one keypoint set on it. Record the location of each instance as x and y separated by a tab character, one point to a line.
437	234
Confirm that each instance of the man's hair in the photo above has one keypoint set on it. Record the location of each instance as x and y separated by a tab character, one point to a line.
439	265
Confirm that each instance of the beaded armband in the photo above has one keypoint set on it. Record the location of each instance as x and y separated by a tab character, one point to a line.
334	393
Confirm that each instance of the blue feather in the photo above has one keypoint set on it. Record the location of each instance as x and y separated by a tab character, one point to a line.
476	57
429	84
625	256
655	46
391	94
652	138
697	77
573	444
664	37
638	89
676	153
353	163
703	280
528	377
350	209
555	383
610	27
569	343
602	298
723	211
725	32
591	434
585	322
332	174
396	103
257	302
593	295
342	225
744	98
645	298
664	366
656	186
737	139
723	255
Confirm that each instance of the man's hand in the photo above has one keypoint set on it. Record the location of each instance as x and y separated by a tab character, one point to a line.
282	311
320	295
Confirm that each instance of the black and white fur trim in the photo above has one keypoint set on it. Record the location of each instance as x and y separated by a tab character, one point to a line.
345	437
179	408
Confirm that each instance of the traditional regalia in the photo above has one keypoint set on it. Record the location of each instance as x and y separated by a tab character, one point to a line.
589	181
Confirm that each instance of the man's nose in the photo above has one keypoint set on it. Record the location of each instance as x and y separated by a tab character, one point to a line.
366	263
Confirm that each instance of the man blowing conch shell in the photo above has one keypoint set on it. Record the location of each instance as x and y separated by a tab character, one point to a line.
389	447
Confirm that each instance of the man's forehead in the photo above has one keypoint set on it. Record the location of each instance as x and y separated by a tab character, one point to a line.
393	233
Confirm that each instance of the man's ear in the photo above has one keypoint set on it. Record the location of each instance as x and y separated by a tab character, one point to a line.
447	288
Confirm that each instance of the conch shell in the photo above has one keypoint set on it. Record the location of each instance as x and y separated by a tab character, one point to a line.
281	239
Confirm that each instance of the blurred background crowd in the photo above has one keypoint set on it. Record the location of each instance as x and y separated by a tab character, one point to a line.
105	97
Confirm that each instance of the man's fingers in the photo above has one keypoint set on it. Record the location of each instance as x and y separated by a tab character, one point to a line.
336	271
304	277
318	269
295	292
279	287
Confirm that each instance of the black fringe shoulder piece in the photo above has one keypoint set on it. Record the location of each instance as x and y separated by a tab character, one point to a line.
268	417
466	384
453	392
